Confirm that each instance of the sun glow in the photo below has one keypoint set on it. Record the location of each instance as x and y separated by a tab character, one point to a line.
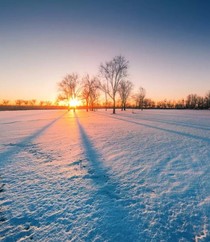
74	103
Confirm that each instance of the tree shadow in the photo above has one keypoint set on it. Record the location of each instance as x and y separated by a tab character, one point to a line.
188	135
15	148
6	157
192	195
116	224
182	124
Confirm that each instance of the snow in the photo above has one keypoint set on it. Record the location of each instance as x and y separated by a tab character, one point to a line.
95	176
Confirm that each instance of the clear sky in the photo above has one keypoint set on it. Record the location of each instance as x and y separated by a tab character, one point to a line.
166	42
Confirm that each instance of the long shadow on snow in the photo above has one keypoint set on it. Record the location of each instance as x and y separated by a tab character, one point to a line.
15	148
117	225
188	135
198	216
157	120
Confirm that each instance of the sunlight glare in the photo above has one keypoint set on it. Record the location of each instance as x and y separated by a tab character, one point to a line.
74	102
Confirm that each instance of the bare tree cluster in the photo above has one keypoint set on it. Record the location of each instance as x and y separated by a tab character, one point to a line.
139	98
21	102
125	88
113	81
193	101
90	91
68	88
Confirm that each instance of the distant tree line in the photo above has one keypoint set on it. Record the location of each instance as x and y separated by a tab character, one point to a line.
111	88
193	101
91	100
22	102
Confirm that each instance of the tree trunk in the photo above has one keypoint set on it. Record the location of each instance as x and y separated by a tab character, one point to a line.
114	106
142	105
106	101
87	104
124	106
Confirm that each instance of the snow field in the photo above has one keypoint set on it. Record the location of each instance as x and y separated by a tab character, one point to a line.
100	177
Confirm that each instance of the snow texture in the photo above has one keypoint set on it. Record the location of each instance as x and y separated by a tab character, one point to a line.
133	176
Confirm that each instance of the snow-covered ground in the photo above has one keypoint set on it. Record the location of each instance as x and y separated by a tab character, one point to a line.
95	176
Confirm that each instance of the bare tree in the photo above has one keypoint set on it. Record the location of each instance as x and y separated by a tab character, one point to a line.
200	102
125	88
32	102
41	103
142	94
68	88
85	95
90	91
19	102
139	98
180	104
48	103
207	98
5	102
25	102
94	93
113	72
104	88
192	101
148	103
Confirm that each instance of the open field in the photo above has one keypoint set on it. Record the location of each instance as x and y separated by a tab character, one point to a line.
95	176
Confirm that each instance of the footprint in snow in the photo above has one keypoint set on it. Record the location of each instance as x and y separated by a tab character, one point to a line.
2	188
26	226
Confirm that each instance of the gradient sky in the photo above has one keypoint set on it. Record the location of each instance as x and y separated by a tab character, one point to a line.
166	42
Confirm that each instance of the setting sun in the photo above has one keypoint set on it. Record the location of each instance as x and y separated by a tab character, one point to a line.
73	102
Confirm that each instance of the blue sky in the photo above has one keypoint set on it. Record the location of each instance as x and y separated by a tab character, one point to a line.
166	42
